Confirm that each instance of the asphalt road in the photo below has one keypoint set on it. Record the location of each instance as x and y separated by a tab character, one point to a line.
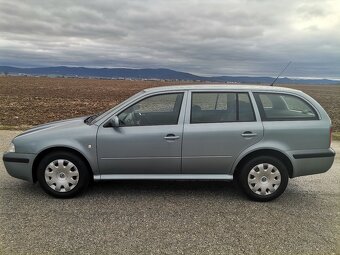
153	217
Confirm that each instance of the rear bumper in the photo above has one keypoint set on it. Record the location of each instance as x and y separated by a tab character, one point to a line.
312	161
19	165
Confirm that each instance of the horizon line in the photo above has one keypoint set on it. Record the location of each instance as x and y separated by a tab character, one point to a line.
164	68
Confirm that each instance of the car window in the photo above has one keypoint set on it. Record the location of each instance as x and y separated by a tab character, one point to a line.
275	106
245	108
207	107
266	101
155	110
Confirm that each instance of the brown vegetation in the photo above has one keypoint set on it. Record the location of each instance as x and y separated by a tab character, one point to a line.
26	101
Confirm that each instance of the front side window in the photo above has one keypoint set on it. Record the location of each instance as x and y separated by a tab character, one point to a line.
207	107
274	106
155	110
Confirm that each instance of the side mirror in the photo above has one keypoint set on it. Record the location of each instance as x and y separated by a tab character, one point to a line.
114	121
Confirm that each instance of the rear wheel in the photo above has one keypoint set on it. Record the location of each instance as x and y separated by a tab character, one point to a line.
264	178
63	174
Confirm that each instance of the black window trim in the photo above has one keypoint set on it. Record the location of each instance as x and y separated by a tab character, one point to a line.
237	106
263	114
153	95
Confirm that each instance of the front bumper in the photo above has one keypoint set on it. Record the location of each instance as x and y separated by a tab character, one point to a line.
19	165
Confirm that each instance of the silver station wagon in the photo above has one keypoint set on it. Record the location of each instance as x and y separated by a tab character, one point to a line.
258	135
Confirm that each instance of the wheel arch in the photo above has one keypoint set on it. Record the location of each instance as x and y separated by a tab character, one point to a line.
46	151
265	152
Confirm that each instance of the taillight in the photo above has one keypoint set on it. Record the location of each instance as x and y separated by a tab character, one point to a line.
330	135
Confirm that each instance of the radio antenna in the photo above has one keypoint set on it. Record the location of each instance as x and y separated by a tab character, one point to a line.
284	69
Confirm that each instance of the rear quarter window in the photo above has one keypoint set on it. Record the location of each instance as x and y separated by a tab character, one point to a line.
281	107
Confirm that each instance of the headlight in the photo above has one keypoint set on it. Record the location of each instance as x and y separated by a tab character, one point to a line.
11	148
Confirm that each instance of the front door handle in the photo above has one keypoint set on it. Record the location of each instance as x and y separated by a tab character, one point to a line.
248	134
171	137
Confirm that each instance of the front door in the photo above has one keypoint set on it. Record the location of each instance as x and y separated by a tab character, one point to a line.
221	125
148	140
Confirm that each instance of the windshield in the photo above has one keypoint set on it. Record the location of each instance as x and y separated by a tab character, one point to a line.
96	117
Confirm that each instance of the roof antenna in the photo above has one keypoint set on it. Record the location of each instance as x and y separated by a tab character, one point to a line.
284	69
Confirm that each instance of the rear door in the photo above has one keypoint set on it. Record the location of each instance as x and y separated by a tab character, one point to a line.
218	127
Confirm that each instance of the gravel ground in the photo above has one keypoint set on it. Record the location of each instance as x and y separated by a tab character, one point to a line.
153	217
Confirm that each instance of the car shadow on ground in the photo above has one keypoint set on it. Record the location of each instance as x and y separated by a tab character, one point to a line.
150	188
165	186
155	189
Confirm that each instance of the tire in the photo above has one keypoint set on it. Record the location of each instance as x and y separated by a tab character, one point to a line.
263	178
65	182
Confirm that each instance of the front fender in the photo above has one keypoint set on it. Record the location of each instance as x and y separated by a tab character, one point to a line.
87	151
80	138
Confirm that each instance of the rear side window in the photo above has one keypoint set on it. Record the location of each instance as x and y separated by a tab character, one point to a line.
207	107
275	106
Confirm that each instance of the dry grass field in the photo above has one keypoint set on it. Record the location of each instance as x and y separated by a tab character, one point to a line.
27	101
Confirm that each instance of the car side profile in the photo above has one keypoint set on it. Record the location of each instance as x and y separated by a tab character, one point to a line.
258	135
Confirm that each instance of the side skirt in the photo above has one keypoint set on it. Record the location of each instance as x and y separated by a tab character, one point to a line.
225	177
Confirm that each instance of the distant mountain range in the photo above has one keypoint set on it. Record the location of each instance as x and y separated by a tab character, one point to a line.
147	73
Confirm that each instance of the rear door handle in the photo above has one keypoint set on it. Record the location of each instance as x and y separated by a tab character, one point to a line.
248	134
171	137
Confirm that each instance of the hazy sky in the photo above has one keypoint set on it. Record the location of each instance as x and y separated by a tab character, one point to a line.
226	37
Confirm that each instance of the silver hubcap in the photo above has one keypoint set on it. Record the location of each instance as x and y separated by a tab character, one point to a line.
264	179
61	175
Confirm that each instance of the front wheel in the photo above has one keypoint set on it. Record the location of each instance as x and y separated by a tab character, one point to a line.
264	178
62	174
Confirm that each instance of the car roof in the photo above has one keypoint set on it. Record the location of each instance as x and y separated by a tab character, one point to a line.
246	87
